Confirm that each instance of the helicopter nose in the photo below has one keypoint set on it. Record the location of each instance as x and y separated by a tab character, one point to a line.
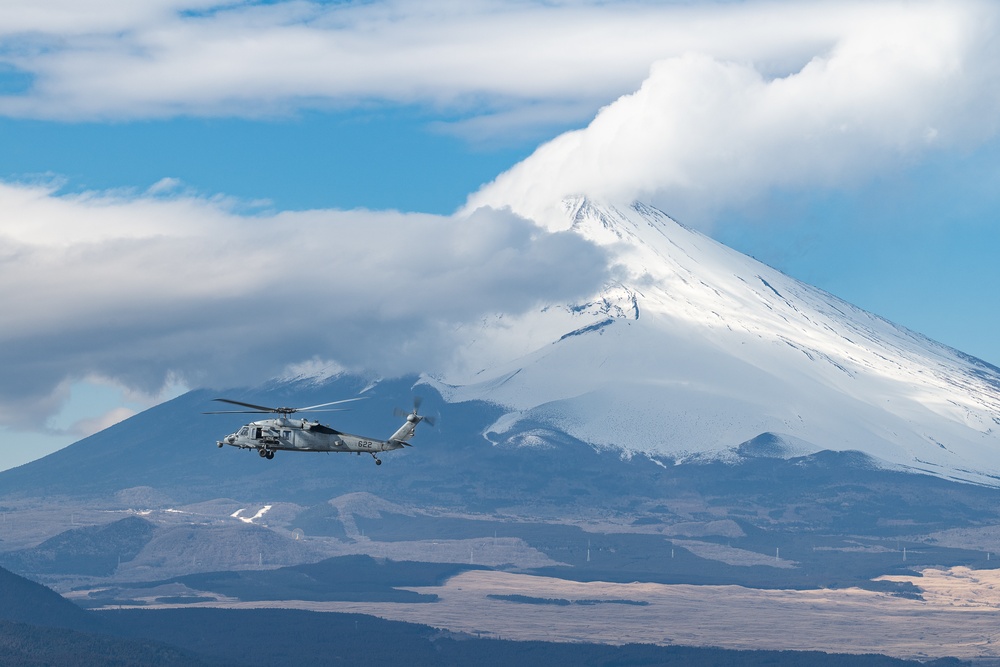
230	439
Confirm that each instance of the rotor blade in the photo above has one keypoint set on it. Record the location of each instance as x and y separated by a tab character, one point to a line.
397	412
262	408
429	420
330	410
323	405
238	412
417	402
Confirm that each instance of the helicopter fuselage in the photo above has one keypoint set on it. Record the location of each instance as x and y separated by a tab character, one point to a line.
301	435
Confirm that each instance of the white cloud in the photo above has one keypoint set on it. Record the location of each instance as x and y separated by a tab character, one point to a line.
489	68
83	17
141	291
521	63
703	133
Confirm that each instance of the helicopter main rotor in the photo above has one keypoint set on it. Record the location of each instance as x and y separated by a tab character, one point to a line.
264	409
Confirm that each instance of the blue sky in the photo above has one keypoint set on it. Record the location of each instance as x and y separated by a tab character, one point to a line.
917	246
377	158
166	167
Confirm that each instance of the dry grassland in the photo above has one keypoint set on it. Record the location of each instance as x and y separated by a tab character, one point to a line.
959	616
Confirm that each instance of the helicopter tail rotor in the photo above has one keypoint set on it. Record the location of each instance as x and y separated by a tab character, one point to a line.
414	416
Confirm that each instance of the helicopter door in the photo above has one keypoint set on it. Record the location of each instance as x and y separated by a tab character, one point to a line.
257	433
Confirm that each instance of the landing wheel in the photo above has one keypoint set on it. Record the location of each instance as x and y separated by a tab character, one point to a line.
378	462
270	455
262	452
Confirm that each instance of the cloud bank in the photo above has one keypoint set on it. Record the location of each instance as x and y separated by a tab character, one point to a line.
142	291
486	66
702	133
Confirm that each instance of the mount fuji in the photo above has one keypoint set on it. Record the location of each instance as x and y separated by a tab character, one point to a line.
698	352
693	353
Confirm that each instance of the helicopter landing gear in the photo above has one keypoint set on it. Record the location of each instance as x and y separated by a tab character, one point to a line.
262	452
378	461
265	453
269	455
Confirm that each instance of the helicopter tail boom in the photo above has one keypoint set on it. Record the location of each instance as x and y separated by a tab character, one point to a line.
405	432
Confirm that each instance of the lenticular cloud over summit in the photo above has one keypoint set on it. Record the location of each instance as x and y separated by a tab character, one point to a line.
704	133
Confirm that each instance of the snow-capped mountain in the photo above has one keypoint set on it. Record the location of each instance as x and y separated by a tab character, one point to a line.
697	349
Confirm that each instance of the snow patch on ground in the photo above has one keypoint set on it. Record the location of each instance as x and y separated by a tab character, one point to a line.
260	513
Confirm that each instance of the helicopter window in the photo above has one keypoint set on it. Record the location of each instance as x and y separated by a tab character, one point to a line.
244	431
287	435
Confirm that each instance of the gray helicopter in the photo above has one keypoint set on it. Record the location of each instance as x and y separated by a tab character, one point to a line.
302	435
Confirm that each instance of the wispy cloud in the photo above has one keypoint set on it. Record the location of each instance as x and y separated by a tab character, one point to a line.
507	63
141	290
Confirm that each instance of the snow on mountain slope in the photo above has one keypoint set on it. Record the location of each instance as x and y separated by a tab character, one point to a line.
697	348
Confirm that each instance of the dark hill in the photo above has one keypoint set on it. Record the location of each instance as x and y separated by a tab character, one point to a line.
25	601
93	550
34	646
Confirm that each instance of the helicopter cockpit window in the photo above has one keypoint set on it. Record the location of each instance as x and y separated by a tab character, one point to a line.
244	431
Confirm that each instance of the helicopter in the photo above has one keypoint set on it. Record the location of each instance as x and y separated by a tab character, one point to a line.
302	435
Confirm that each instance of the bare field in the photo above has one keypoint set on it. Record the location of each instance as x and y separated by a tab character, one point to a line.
960	615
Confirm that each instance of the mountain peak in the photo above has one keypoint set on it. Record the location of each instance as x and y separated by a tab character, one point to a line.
695	349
